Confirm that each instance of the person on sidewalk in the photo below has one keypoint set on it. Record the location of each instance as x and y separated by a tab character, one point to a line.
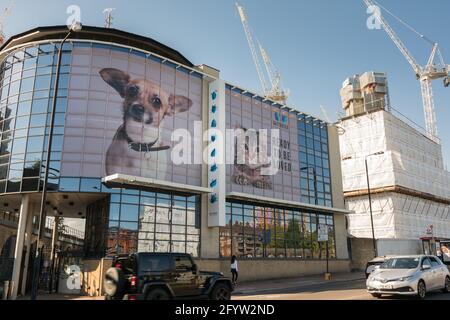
234	269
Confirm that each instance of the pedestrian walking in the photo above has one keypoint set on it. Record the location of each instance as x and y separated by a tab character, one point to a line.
234	269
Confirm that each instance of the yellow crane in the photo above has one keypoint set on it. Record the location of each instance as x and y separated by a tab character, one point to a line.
272	87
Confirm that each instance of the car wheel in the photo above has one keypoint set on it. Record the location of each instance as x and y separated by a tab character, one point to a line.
157	294
421	290
447	285
376	295
221	292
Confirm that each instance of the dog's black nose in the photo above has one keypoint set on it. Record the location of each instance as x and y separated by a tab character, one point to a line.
149	120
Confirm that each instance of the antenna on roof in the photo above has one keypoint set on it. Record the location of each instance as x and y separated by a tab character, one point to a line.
109	18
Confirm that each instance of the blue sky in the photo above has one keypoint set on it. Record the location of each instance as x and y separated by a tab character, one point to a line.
314	44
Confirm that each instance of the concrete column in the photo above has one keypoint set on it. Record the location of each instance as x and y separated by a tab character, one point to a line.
209	236
29	236
24	212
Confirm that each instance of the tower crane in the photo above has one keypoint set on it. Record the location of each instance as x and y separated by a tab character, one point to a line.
271	87
425	74
108	17
3	15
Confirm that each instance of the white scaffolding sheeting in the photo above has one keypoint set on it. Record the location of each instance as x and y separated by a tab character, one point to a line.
397	216
397	156
409	159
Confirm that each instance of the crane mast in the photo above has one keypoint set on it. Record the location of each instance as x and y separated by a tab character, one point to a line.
6	12
272	88
251	44
425	74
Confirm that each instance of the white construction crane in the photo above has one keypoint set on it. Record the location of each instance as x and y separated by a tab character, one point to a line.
426	74
271	88
109	17
6	12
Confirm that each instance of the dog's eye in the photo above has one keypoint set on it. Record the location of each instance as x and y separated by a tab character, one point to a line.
156	102
132	91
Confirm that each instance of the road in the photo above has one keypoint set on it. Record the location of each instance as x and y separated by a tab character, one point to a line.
344	290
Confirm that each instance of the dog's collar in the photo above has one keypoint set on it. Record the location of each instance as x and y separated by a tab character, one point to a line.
145	147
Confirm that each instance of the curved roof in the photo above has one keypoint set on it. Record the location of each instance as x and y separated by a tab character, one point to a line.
99	34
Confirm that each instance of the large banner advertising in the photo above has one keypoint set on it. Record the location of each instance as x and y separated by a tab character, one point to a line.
251	114
123	107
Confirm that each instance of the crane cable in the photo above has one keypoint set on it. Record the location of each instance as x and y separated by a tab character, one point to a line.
422	36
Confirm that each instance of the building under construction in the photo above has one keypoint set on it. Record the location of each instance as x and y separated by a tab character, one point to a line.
409	186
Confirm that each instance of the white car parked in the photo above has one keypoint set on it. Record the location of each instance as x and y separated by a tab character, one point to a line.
409	275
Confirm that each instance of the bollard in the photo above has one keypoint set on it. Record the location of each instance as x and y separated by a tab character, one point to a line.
5	290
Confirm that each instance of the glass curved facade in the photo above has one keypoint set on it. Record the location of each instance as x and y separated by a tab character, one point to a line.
133	220
27	84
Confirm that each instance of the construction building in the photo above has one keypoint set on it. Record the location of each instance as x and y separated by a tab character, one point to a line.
409	186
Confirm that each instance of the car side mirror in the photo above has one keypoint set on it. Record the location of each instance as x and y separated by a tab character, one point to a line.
426	267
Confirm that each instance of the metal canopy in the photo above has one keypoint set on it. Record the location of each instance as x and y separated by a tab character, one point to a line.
284	203
126	180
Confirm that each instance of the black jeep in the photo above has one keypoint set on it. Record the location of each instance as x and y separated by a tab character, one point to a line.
163	276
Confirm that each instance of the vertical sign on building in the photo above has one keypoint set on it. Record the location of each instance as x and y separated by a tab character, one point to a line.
216	154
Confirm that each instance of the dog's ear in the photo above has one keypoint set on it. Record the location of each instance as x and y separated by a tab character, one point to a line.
178	104
116	79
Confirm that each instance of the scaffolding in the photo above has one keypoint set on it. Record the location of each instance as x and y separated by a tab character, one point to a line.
409	185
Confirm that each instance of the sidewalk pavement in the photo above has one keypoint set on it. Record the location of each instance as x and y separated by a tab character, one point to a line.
245	288
264	286
60	297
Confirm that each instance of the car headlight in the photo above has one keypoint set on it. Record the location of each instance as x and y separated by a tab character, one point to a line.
404	278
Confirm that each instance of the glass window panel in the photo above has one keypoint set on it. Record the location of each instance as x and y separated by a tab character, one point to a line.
30	184
40	106
114	211
163	228
35	144
145	245
44	71
59	119
22	122
9	124
38	120
162	215
32	169
15	171
27	85
3	171
61	104
179	216
14	88
130	199
162	246
45	60
42	82
129	226
129	212
19	145
147	214
90	185
69	184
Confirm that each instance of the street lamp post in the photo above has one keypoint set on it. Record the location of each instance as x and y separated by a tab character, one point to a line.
375	250
75	27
